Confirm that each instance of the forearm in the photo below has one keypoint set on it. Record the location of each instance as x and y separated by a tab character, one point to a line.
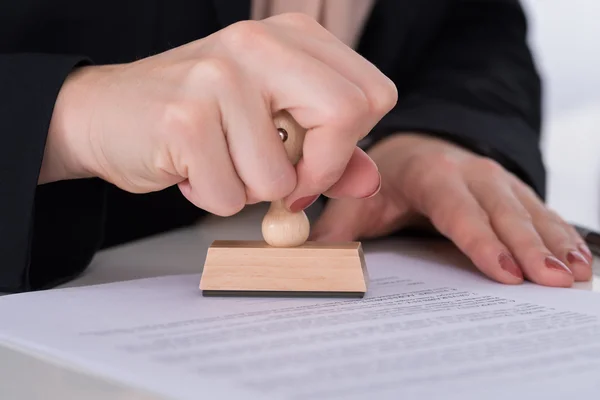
36	224
68	153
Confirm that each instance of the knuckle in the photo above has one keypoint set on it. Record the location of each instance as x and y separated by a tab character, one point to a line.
272	190
423	184
425	196
179	120
554	217
417	170
457	219
524	189
460	225
445	163
561	242
431	189
489	167
504	211
383	97
244	35
229	205
475	244
555	229
297	19
346	110
227	194
443	216
178	131
168	160
213	70
469	230
228	210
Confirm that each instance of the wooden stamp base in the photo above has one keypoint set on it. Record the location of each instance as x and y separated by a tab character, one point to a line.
254	268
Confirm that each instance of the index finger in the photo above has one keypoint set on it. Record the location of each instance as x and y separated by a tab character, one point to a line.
457	215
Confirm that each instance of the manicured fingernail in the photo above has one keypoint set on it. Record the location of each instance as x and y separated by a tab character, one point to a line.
585	250
508	263
303	203
376	190
555	264
575	257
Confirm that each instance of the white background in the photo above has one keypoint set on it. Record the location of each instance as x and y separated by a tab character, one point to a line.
565	36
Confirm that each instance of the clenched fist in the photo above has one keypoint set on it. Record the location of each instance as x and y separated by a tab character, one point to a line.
492	216
201	116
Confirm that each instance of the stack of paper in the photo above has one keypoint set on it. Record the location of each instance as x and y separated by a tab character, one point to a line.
426	330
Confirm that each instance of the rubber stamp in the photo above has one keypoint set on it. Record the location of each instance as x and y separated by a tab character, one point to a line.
284	263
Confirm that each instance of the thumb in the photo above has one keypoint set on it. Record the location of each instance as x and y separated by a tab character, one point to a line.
340	221
356	219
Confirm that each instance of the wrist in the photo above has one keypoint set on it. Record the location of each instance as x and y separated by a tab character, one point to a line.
67	154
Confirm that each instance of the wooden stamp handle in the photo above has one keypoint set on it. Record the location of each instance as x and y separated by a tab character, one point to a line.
280	227
291	134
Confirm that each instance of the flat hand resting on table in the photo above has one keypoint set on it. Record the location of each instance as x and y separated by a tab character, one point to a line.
492	216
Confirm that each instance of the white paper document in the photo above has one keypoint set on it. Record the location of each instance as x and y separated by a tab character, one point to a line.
425	330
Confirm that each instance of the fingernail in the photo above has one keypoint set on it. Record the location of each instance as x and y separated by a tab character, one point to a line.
508	263
556	264
586	250
303	203
376	190
575	256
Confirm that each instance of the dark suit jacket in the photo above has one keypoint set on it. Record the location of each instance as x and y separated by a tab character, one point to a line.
462	68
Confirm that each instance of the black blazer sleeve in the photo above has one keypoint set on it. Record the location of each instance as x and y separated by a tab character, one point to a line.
48	233
477	85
